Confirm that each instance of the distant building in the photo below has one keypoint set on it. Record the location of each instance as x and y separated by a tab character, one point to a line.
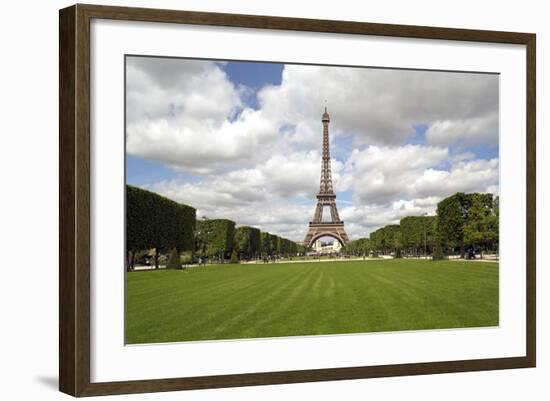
323	247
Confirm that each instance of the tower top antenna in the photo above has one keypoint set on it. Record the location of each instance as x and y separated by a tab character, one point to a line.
325	115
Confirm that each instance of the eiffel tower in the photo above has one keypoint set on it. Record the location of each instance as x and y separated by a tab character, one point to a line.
326	198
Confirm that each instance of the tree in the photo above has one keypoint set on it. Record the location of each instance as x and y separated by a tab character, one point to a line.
438	254
156	222
214	238
234	258
392	239
269	244
418	234
387	239
358	247
397	244
480	222
452	213
287	247
377	239
247	242
301	249
276	244
174	261
494	223
273	245
468	220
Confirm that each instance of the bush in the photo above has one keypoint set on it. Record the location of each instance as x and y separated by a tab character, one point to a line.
247	241
438	254
398	254
174	261
234	258
214	238
153	221
186	257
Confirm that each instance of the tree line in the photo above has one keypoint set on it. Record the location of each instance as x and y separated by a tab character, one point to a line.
464	222
220	239
167	227
156	222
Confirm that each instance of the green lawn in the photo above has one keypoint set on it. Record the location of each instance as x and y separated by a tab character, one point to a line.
247	301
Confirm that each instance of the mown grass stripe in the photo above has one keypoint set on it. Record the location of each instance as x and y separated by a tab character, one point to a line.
250	301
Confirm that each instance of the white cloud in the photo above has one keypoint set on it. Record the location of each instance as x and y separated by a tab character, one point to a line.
189	115
179	113
261	167
465	132
381	106
472	176
245	201
382	174
266	196
177	90
385	174
280	177
361	220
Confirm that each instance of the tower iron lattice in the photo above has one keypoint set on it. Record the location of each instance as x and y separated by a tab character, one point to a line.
326	198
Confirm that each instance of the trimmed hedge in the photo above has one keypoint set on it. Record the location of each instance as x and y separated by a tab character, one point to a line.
287	247
214	238
153	221
358	247
387	239
247	241
269	244
462	220
272	245
452	213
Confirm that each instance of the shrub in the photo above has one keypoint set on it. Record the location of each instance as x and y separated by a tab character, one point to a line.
153	221
247	241
214	238
438	254
174	261
234	258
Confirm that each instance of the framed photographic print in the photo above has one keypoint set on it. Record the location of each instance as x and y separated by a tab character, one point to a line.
250	200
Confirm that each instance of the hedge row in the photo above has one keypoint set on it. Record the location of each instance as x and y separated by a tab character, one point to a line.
214	238
219	238
462	221
417	232
247	242
155	222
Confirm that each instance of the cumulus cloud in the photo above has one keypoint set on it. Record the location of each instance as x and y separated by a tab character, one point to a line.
188	115
261	166
247	203
475	130
361	220
382	106
171	103
275	200
473	176
385	174
382	174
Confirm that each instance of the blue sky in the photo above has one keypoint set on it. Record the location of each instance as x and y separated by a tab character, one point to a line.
242	140
142	172
254	76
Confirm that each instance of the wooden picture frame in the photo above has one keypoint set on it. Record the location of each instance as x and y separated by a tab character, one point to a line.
74	199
